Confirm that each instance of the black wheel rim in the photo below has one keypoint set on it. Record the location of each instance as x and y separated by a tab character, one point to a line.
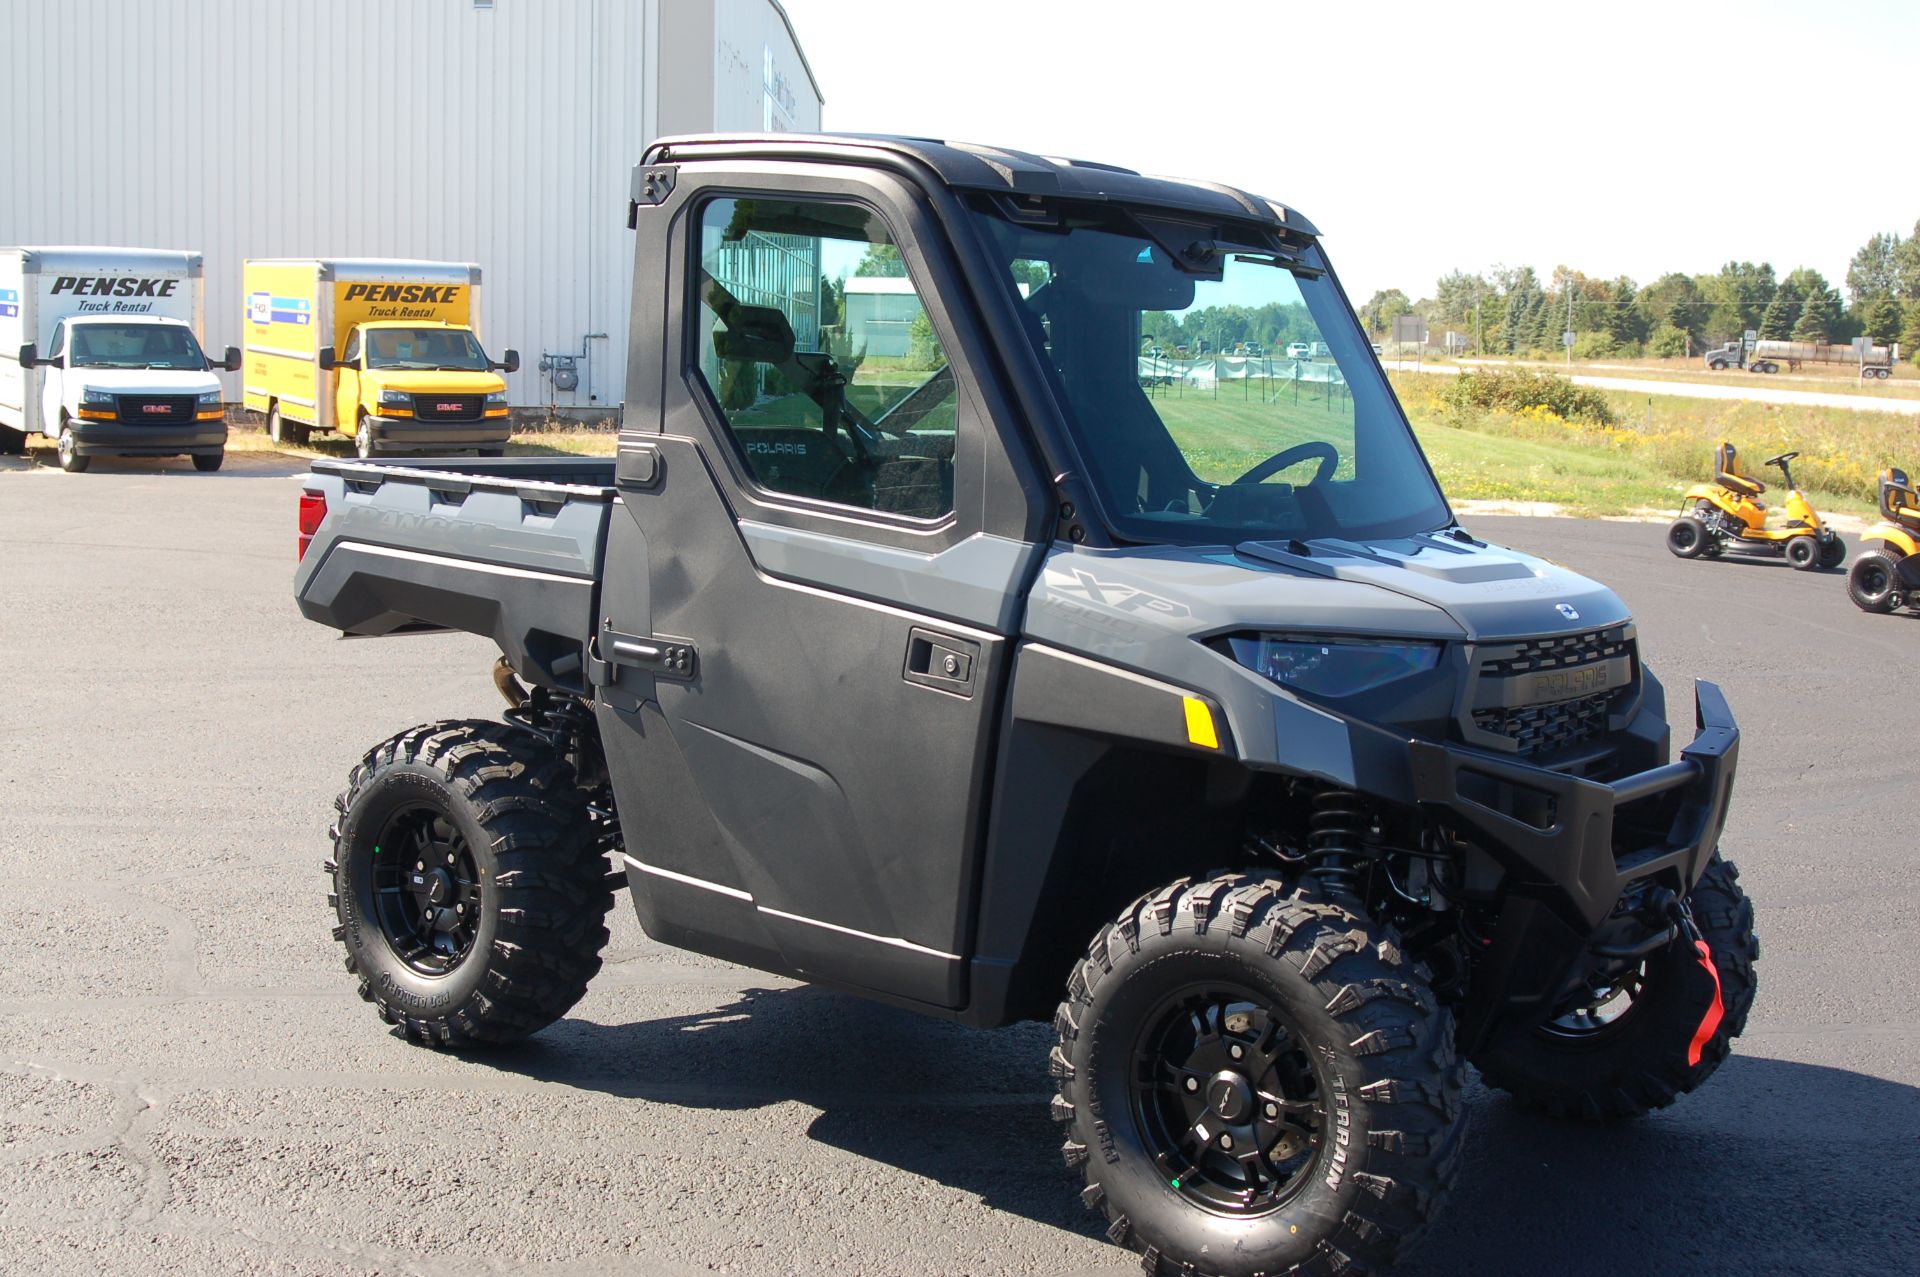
1875	580
1685	537
1226	1101
426	890
1608	1003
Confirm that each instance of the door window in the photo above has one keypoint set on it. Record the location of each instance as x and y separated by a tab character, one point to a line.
351	355
819	355
59	346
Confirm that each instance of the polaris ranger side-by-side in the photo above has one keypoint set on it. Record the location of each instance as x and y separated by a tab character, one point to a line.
911	645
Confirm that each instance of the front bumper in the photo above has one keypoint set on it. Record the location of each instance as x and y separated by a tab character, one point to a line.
404	434
1572	849
112	439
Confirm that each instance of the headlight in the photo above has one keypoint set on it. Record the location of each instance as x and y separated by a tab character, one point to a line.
498	399
97	398
209	399
1332	667
396	399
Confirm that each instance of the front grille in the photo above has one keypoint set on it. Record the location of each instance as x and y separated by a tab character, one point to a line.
448	407
1528	674
1542	729
156	410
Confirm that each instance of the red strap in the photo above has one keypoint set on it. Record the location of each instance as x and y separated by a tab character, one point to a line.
1710	1022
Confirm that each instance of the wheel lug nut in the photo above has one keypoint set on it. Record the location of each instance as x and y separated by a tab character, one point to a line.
1273	1110
419	866
1226	1141
459	908
449	857
1193	1084
1236	1051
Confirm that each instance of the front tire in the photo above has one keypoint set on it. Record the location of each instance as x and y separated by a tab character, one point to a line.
208	461
363	444
68	450
1254	1082
1618	1059
1871	584
470	893
1687	537
1803	552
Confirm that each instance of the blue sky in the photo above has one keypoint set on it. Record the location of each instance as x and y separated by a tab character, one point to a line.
1624	138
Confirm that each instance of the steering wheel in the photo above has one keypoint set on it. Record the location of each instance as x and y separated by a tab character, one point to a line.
1783	457
1329	462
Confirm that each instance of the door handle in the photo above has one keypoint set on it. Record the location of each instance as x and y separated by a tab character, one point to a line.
941	661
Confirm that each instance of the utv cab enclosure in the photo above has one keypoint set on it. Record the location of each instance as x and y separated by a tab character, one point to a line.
918	642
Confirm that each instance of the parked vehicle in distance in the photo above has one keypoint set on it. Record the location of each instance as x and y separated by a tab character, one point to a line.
100	350
1003	690
384	351
1886	576
1767	356
1299	350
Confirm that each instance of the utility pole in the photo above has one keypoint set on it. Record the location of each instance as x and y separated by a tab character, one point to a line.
1479	333
1569	330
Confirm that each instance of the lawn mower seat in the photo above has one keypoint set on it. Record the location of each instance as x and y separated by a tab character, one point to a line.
1726	465
1898	501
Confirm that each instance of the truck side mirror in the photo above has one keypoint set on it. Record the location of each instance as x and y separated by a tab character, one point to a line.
232	361
511	363
327	361
29	355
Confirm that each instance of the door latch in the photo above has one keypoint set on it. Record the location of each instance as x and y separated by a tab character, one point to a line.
660	657
941	661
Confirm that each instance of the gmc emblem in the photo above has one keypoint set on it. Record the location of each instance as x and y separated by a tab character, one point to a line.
157	409
449	407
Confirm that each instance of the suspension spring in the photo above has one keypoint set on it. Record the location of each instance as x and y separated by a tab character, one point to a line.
1333	839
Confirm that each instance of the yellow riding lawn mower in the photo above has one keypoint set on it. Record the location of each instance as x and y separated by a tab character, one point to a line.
1728	514
1887	575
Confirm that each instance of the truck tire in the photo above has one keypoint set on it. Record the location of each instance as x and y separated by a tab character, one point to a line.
65	447
1871	583
1803	553
1598	1066
280	430
364	445
1291	1025
208	461
1717	365
470	893
13	442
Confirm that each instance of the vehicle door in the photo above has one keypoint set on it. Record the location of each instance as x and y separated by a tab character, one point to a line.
812	590
346	387
52	382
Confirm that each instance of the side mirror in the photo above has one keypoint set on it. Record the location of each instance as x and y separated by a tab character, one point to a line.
232	362
511	363
327	361
29	355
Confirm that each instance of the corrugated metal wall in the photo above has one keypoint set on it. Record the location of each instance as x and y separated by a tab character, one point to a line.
502	135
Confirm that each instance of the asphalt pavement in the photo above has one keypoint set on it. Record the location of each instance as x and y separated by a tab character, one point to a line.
1738	385
188	1083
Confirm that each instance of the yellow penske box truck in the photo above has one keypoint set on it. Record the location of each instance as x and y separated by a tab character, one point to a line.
385	352
100	351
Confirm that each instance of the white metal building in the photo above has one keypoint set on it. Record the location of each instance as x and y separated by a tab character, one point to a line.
501	132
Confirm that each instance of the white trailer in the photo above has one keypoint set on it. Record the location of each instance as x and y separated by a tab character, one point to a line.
101	350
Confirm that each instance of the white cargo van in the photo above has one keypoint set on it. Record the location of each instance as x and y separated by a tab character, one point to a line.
100	350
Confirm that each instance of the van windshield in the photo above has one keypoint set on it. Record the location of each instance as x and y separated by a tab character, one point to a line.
1238	403
134	346
441	349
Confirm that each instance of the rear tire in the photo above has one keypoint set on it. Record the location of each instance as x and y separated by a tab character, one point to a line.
68	451
282	431
207	462
1294	1027
1833	552
1872	583
493	452
1803	552
1686	537
470	892
13	443
1640	1060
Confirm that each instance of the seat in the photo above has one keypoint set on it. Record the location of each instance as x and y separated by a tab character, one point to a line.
1898	501
1726	465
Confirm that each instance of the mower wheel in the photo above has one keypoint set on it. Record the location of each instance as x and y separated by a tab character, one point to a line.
1803	553
1686	537
1871	583
1833	552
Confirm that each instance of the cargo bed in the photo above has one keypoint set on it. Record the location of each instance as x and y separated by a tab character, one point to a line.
506	547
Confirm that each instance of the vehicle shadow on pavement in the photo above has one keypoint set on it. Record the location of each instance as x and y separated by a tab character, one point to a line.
1772	1167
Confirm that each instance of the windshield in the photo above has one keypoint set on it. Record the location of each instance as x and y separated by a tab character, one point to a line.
443	349
1234	405
135	346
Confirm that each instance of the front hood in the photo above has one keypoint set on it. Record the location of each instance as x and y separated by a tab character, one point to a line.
428	382
140	381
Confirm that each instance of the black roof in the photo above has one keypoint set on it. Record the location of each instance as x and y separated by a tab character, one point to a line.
989	168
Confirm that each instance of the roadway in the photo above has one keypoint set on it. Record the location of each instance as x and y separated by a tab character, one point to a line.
188	1083
1740	390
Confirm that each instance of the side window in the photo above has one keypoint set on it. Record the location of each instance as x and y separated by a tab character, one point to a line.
59	346
813	341
351	355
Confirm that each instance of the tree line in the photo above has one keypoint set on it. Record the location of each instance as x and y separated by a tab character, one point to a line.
1511	311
